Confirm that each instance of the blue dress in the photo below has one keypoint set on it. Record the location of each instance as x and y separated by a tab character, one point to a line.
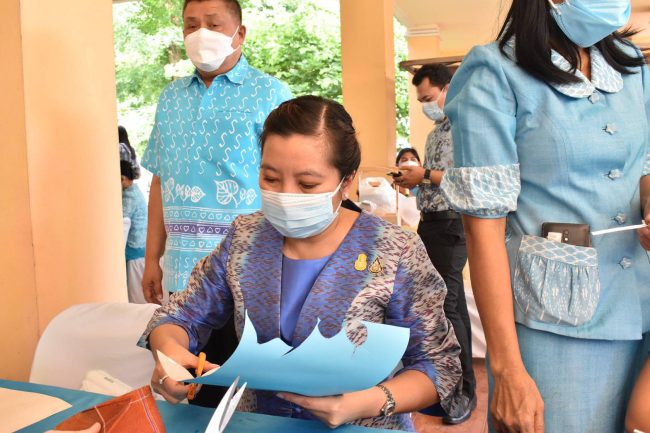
534	152
298	277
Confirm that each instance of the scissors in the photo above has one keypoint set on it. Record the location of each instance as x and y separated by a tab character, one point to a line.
226	408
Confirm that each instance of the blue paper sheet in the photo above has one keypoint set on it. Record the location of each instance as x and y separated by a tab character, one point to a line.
318	367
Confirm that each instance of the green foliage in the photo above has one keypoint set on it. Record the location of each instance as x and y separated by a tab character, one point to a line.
402	82
297	41
158	14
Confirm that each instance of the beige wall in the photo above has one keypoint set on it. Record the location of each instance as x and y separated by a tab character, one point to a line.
65	220
367	56
420	47
18	312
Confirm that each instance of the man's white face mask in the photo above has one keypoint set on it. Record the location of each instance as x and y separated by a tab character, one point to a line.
208	50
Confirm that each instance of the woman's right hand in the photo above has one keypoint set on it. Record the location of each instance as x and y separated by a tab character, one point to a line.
173	391
152	282
517	405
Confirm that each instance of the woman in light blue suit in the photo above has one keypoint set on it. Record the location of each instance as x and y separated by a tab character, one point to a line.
550	124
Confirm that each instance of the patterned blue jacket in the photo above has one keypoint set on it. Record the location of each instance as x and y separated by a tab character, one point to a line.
244	273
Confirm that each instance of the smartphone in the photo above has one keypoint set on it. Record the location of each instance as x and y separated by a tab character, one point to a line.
566	233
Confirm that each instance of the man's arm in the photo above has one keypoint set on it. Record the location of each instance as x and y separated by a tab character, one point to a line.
413	176
156	238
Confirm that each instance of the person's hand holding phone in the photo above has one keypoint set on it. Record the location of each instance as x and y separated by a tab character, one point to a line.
411	176
395	174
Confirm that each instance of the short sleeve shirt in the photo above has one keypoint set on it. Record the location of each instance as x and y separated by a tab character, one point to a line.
205	149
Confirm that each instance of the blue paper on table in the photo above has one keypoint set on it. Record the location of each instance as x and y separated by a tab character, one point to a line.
318	367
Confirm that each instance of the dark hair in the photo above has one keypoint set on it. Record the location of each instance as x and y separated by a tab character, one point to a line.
315	117
536	33
123	137
233	5
407	150
438	75
126	170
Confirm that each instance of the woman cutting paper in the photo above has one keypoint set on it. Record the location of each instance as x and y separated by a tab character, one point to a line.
550	125
311	254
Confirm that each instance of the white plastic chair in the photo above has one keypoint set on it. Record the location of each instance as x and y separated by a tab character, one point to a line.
479	346
94	337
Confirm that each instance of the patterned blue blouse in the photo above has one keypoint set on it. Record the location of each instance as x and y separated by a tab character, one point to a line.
401	289
205	148
534	152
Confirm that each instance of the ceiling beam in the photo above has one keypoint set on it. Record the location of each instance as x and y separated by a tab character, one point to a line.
453	62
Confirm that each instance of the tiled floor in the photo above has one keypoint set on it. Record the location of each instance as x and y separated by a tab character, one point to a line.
476	424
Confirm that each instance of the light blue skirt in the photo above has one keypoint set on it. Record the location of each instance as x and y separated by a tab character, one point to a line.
585	384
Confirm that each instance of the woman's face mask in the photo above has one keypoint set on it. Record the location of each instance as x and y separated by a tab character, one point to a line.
409	162
586	22
301	189
300	216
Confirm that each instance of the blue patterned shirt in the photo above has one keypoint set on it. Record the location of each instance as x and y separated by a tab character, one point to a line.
205	148
438	156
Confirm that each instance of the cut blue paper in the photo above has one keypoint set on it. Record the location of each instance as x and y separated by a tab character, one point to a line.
318	367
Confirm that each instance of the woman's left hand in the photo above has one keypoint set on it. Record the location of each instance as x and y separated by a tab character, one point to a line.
644	233
333	411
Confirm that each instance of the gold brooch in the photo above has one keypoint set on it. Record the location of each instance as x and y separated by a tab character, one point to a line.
376	268
362	262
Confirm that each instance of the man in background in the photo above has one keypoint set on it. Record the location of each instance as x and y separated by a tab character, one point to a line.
441	228
204	148
204	154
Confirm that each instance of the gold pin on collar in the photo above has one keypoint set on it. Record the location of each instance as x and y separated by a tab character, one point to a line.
362	262
376	267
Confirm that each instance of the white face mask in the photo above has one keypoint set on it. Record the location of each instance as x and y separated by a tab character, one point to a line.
207	49
299	216
409	163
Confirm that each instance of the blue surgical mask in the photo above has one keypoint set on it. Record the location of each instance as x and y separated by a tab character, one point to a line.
432	110
299	216
587	22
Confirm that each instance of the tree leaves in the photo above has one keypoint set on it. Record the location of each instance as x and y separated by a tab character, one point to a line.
297	41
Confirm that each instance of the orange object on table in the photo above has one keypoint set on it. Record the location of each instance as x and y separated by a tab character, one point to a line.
135	411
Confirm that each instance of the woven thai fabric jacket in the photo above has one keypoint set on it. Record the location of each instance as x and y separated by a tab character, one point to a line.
380	273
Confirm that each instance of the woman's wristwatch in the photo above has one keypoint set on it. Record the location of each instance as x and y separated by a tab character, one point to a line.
389	407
